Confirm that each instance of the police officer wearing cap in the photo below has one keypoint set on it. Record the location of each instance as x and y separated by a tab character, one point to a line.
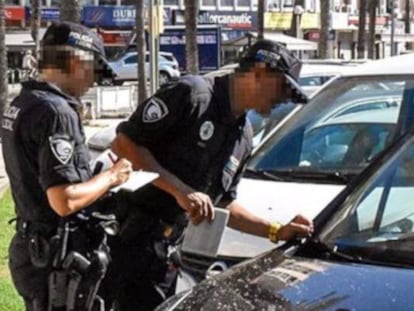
46	157
195	134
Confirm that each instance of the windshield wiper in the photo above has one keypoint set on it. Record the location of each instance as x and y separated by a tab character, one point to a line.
322	248
333	252
332	176
263	175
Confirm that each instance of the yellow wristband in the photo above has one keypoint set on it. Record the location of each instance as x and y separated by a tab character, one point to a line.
273	230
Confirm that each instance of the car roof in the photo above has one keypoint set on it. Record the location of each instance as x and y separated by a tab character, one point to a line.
396	65
317	69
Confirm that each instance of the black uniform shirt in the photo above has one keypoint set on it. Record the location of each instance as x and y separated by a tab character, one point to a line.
189	128
43	146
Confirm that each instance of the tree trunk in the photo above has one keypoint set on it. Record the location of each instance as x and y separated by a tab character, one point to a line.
362	29
191	47
260	18
294	31
325	45
141	51
407	25
3	61
35	25
70	10
372	11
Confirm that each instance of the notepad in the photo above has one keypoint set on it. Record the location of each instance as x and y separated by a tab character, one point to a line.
205	238
136	180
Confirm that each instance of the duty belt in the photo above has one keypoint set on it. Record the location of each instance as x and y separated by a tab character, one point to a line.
26	228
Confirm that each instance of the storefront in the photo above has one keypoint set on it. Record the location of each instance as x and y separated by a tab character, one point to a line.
115	24
234	24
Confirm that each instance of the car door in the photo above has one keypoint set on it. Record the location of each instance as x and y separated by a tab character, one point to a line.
130	67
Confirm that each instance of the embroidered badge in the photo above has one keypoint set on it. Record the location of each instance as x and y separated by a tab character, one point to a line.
206	130
154	110
62	148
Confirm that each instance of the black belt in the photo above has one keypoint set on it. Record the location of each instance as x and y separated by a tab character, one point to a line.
26	228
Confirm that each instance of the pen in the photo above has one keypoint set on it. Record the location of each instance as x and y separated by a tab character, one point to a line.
112	157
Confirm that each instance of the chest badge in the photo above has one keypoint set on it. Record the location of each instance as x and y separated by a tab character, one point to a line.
206	130
154	110
61	148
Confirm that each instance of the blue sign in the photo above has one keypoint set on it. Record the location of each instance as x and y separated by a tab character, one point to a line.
209	46
46	14
114	16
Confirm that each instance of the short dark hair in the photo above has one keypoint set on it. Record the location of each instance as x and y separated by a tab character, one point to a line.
55	58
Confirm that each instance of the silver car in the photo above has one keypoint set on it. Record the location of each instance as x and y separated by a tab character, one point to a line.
126	67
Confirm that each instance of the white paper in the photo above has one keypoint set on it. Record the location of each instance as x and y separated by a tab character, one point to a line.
136	180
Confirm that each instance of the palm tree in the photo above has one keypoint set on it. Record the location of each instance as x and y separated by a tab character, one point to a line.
141	50
325	45
361	28
372	11
260	18
35	25
407	16
3	60
70	10
191	47
295	23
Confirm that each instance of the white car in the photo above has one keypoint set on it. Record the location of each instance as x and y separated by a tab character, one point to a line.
126	67
307	159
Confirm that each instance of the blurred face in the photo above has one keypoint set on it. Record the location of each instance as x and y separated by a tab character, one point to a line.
258	88
82	74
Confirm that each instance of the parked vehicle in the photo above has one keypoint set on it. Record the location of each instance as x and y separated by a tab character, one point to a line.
126	67
360	257
314	76
306	160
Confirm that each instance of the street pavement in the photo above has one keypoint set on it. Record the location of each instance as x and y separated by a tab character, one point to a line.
91	127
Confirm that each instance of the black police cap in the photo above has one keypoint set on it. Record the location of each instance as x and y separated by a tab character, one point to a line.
278	57
78	37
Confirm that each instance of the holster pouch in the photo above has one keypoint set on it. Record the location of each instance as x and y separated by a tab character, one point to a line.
39	250
58	286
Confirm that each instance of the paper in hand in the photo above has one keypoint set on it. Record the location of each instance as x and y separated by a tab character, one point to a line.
136	180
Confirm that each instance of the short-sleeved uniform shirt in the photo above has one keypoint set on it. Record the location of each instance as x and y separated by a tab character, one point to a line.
43	146
189	128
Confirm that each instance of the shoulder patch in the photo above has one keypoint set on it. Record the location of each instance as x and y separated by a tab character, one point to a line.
154	110
62	148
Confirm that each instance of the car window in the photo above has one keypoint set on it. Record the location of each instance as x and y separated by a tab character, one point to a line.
379	217
312	81
342	128
131	59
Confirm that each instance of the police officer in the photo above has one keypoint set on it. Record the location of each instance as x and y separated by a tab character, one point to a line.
195	134
46	157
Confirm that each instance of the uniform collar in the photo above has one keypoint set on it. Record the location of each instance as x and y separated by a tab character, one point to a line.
50	87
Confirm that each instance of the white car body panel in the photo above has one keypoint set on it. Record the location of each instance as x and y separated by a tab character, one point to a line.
274	201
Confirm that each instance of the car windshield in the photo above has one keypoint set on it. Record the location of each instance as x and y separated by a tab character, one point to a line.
339	132
376	222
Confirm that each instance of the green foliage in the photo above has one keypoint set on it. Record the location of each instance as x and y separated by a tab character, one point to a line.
9	299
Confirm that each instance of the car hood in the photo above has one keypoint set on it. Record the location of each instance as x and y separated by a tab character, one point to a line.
274	201
276	282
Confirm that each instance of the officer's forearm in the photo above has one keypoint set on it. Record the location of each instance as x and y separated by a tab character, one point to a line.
70	198
142	158
242	220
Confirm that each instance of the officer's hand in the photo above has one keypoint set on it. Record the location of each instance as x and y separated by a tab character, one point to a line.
197	204
120	171
297	227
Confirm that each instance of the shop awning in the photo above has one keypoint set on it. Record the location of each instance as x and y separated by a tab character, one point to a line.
21	40
292	43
